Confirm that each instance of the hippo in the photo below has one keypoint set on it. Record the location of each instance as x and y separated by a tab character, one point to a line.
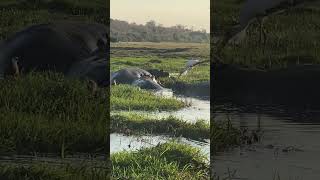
60	47
94	68
158	73
137	77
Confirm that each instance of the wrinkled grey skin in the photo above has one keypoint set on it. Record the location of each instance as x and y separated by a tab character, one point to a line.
135	76
93	68
59	47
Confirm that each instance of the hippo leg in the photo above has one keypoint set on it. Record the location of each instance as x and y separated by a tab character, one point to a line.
15	67
93	86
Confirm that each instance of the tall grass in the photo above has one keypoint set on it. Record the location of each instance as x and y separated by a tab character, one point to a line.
292	37
45	171
47	113
133	123
127	97
166	161
16	15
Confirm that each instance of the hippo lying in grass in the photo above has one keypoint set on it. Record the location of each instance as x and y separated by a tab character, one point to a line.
135	76
76	49
296	85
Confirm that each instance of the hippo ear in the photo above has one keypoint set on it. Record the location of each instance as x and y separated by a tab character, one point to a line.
102	45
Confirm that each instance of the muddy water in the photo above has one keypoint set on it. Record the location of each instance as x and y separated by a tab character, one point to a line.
198	109
289	147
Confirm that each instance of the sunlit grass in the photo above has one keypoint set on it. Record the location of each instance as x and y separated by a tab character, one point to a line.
166	161
133	123
127	97
174	66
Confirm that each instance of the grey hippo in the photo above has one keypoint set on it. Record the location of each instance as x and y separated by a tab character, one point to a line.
73	48
135	76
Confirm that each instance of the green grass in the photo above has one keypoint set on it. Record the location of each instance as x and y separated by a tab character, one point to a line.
15	16
160	50
165	161
127	97
133	123
171	57
47	171
172	65
292	37
47	113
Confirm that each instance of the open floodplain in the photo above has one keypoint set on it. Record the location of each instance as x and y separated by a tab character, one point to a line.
269	93
161	135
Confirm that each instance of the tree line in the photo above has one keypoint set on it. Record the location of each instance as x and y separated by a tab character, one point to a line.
153	32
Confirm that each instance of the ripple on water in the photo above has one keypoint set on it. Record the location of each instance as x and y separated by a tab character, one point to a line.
289	147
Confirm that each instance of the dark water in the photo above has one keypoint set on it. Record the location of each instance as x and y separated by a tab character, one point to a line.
289	147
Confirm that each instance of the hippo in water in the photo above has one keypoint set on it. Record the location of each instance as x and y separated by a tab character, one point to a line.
136	76
61	47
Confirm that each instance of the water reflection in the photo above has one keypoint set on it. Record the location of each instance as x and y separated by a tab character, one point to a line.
289	146
199	109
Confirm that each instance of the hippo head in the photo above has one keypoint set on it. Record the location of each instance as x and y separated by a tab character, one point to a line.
9	67
147	83
158	73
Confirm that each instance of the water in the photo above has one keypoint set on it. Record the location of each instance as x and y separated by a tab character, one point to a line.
119	142
289	147
198	109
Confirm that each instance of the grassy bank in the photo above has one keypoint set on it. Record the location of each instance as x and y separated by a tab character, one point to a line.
166	161
126	97
47	113
170	57
16	15
39	171
292	37
132	123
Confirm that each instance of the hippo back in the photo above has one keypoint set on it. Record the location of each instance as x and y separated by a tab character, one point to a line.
53	46
129	75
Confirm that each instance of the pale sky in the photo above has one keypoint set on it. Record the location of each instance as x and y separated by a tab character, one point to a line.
194	13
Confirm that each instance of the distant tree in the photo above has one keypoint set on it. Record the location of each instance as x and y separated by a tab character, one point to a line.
153	32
